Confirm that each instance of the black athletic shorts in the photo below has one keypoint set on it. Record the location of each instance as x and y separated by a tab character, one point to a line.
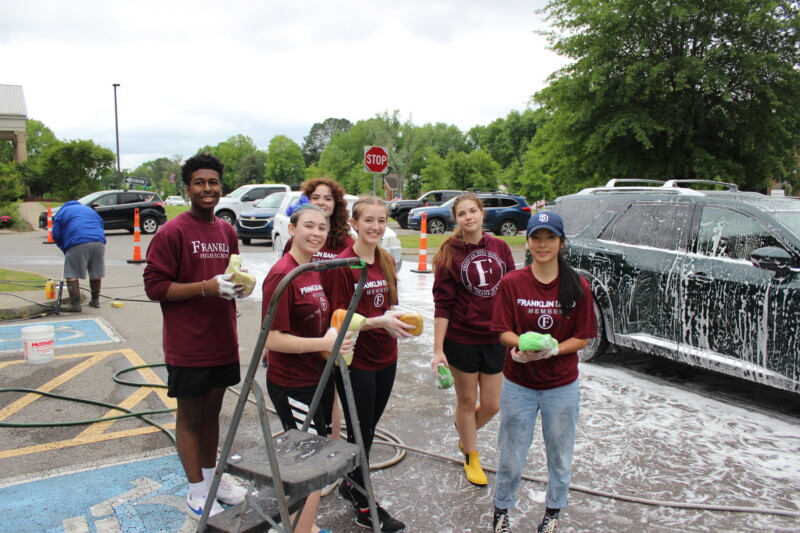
473	358
197	381
292	403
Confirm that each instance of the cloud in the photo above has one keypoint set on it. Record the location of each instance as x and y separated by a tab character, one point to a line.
195	73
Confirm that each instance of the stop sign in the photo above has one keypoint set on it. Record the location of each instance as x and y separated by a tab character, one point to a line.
375	159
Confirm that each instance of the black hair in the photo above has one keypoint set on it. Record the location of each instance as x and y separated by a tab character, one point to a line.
570	290
200	161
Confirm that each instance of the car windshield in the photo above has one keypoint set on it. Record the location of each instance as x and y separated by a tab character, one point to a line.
273	201
89	198
790	219
237	193
448	203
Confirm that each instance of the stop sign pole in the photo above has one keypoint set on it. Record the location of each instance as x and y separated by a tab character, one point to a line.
376	160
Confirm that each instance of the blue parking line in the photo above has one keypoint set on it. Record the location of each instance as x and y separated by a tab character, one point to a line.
139	496
78	332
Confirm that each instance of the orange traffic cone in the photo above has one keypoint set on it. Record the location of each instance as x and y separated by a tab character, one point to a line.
49	227
137	251
422	265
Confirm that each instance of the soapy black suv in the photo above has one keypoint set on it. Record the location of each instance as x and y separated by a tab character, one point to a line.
709	278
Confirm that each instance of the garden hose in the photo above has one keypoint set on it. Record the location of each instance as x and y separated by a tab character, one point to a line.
383	437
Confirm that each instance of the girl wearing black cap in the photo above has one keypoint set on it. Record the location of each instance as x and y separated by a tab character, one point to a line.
544	315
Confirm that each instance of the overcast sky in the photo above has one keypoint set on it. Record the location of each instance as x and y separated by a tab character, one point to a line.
194	73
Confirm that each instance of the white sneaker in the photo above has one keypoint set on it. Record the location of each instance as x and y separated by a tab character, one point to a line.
230	494
196	505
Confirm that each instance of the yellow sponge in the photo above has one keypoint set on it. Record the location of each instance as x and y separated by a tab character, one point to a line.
241	278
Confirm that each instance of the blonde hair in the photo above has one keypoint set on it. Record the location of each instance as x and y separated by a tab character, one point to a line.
384	259
444	257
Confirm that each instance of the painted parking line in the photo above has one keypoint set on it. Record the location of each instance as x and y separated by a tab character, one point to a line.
78	332
139	495
99	431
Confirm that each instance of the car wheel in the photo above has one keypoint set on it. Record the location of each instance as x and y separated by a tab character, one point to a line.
227	216
277	245
245	240
403	220
598	345
148	225
507	228
436	226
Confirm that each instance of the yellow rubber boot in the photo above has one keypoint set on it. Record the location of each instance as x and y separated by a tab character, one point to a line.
472	467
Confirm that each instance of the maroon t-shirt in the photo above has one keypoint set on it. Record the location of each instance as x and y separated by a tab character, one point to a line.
326	252
465	293
525	304
375	349
303	311
198	331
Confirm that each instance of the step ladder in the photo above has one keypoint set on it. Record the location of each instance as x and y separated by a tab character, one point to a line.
284	470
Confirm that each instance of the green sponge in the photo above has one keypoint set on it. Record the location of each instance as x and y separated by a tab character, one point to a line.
533	342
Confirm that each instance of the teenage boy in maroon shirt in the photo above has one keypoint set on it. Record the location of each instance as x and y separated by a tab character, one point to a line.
185	264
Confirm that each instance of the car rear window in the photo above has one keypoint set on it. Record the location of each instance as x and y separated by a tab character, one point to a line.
662	225
577	215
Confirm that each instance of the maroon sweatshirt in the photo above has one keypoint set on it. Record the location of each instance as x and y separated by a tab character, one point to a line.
465	293
198	331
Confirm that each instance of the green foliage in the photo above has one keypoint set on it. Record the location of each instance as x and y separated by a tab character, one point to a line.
76	168
285	162
239	168
38	139
320	135
672	89
163	174
11	185
459	170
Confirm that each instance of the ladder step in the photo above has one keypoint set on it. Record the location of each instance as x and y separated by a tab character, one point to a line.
241	520
307	462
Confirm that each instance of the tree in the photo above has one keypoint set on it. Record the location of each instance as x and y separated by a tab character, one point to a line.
38	139
285	162
672	89
11	187
232	152
76	168
320	135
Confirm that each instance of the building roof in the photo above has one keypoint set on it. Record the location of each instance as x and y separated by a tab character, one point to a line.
13	112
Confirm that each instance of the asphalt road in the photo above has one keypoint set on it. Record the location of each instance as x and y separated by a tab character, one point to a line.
640	434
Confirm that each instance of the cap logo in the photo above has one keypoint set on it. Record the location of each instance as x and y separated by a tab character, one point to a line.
543	217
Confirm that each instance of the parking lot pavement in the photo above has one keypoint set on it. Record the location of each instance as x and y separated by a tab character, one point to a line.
637	436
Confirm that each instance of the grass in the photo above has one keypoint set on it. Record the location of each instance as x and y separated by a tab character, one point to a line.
175	210
16	281
435	241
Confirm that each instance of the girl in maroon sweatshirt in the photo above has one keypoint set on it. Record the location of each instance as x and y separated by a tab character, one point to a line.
374	363
467	273
299	332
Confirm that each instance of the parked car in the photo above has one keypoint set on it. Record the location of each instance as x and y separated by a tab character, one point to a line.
116	208
704	277
245	196
280	228
399	209
504	214
256	222
174	200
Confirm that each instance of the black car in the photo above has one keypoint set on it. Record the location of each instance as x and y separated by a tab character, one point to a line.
399	209
116	208
705	277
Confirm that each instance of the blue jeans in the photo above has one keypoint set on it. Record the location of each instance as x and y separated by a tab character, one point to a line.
519	407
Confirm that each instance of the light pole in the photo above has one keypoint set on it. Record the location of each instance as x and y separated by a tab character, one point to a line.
116	123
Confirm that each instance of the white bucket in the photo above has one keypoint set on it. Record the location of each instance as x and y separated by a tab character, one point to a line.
39	344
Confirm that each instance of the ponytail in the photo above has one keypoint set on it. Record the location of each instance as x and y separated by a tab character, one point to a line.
385	261
570	290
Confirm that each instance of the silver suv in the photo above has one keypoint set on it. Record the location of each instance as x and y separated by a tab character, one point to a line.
231	205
